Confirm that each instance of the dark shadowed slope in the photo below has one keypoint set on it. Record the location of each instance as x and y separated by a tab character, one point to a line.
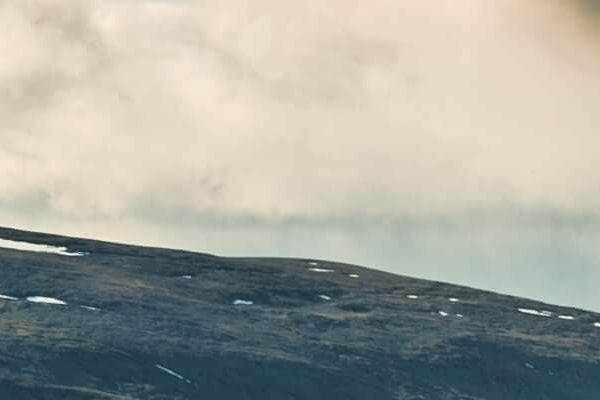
147	323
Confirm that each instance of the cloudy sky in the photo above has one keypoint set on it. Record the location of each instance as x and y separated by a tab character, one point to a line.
455	140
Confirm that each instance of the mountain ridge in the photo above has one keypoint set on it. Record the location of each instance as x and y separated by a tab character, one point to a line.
156	323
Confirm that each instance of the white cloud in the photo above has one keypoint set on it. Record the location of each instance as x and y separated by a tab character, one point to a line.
311	110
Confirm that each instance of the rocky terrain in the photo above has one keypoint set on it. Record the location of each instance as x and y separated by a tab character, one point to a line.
82	319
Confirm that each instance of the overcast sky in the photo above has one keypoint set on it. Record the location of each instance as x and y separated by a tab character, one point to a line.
456	140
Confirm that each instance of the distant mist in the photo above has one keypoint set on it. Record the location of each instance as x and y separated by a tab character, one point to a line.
385	132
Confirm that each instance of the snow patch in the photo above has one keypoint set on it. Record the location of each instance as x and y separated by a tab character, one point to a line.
38	248
172	373
3	297
597	324
46	300
321	270
187	277
453	300
90	308
567	317
459	316
239	302
325	297
443	314
535	312
412	296
354	276
313	263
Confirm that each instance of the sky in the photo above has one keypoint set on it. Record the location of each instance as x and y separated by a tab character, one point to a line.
453	140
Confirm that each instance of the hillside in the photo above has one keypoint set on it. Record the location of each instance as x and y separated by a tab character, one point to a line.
83	319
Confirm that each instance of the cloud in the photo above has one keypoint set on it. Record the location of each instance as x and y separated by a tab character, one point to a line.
316	111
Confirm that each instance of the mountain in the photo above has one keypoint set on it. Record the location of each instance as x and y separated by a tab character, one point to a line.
89	320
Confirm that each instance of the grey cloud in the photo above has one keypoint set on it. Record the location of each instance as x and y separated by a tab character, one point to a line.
591	6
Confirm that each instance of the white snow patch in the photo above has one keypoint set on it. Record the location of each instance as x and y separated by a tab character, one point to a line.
90	308
325	297
567	317
453	300
529	366
321	270
459	316
3	297
187	277
443	314
46	300
535	312
597	324
412	296
313	263
38	248
172	373
354	276
239	302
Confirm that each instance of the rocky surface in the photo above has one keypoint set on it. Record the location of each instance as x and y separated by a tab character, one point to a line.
82	319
